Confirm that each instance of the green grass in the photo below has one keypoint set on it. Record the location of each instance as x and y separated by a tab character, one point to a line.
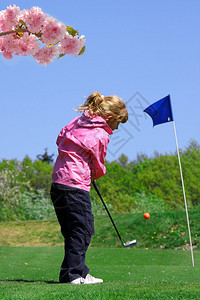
32	273
161	272
161	231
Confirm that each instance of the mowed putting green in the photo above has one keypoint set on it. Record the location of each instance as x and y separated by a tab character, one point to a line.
128	273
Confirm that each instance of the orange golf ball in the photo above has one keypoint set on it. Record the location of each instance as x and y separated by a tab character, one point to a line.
146	215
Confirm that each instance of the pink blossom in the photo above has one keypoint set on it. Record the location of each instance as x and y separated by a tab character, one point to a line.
28	44
1	44
9	18
53	31
7	43
33	17
71	45
7	55
15	49
46	55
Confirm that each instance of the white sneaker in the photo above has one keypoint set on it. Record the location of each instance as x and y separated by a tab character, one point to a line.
89	279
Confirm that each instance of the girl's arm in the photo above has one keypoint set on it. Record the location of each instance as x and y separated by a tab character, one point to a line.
98	168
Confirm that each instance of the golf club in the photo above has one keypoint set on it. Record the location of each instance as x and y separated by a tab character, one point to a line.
128	244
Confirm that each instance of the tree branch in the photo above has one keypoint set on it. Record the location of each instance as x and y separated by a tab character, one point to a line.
19	30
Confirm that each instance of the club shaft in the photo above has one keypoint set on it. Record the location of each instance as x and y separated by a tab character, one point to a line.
99	194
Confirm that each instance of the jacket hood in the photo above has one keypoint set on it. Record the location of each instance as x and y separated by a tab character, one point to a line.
86	120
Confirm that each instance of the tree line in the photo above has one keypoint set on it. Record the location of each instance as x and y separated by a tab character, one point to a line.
158	176
146	183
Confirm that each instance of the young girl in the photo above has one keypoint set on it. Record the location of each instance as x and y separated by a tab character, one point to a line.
82	146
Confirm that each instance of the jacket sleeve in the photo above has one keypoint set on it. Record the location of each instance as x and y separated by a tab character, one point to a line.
61	134
98	168
63	130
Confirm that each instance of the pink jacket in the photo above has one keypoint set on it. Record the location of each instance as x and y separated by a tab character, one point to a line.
82	146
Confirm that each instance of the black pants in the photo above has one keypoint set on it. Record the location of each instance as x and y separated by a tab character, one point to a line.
73	210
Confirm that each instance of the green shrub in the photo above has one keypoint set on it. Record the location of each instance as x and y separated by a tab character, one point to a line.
150	203
12	184
35	206
97	206
38	173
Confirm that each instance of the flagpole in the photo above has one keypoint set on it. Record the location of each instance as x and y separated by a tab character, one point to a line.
186	209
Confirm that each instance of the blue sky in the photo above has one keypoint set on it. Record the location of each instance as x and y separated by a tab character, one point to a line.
140	50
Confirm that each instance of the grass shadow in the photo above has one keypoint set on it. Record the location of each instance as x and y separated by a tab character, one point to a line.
29	281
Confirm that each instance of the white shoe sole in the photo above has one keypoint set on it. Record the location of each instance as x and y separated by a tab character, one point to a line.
82	280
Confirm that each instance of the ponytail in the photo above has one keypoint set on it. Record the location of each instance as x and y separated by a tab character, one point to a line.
93	103
98	104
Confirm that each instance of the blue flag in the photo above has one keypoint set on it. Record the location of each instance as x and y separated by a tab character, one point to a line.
160	111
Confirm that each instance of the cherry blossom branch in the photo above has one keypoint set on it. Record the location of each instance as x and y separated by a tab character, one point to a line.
33	32
19	30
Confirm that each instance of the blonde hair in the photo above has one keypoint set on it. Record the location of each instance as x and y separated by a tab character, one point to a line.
98	104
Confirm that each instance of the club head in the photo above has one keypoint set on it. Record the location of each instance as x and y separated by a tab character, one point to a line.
128	244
